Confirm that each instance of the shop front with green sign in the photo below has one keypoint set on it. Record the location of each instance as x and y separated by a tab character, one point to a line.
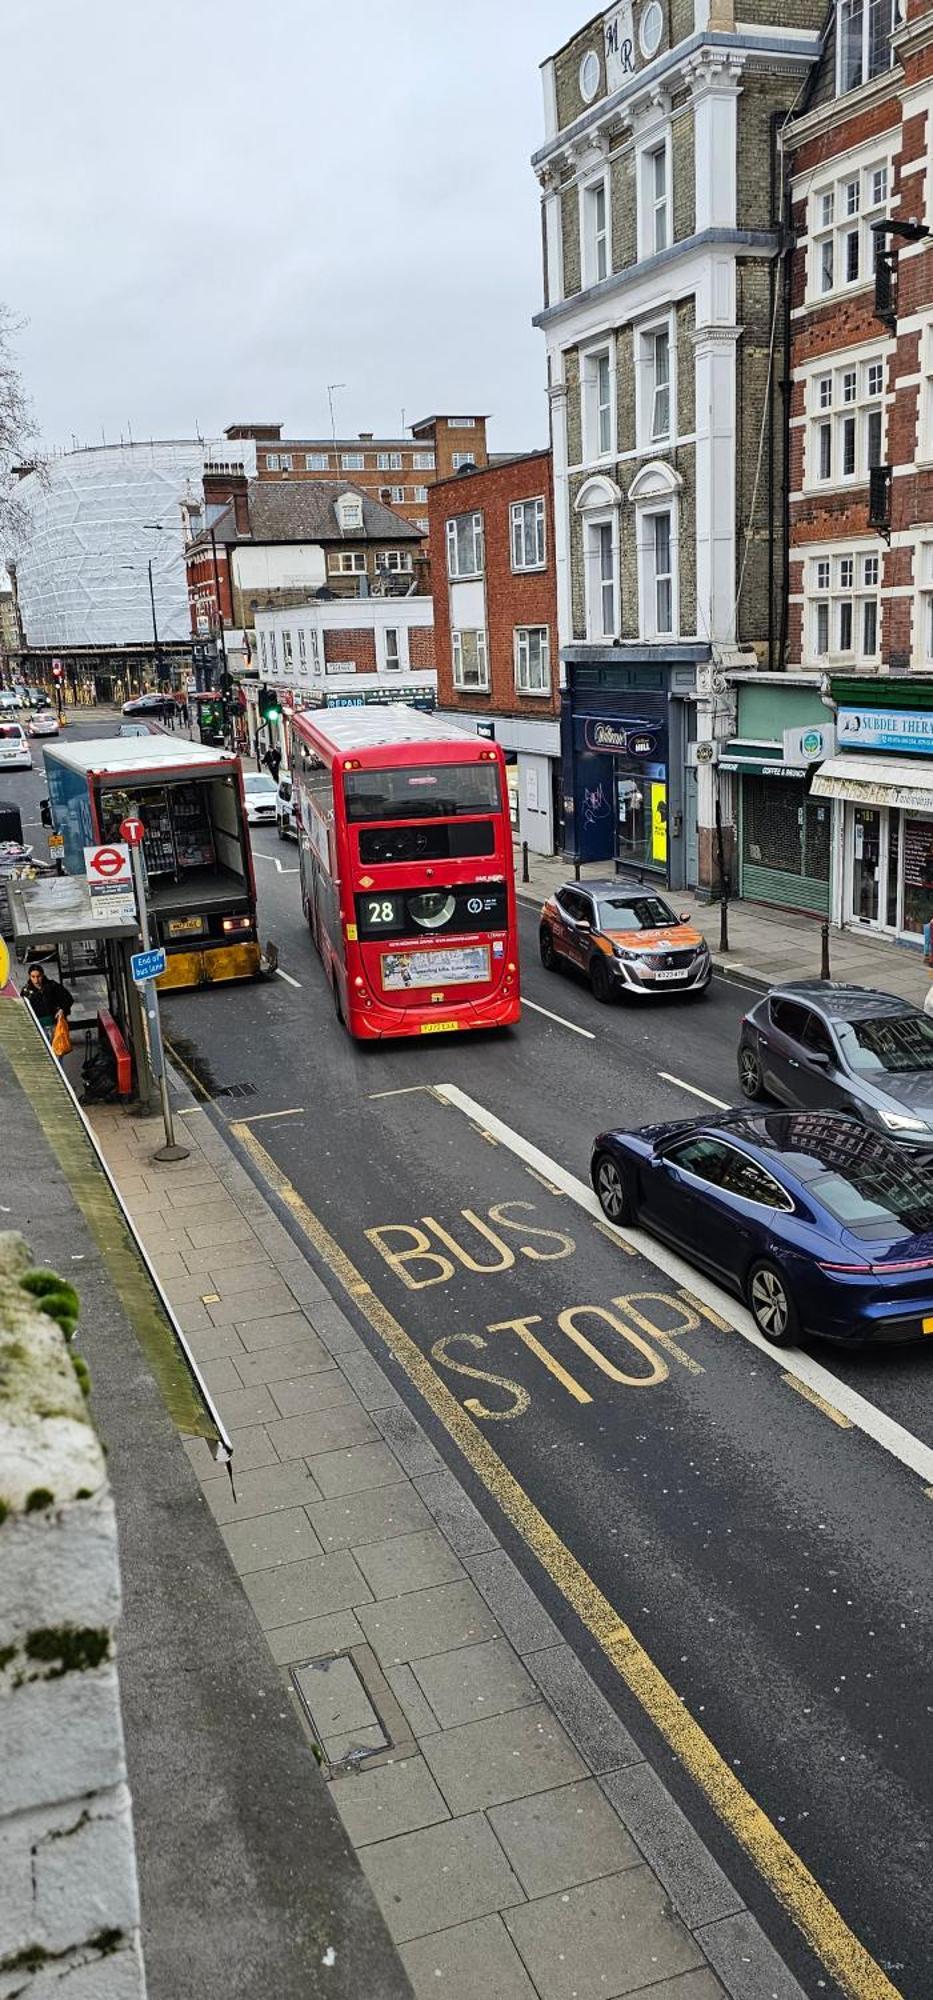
783	835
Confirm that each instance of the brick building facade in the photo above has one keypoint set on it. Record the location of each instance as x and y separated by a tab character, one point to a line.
493	581
860	162
253	546
662	237
398	471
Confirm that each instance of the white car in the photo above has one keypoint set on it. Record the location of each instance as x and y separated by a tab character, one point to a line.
9	702
43	723
15	754
285	811
259	790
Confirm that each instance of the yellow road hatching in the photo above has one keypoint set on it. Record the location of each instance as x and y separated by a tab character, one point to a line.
796	1889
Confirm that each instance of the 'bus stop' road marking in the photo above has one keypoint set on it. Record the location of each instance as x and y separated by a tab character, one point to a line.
901	1444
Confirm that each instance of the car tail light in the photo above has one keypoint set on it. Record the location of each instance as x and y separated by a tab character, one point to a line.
883	1270
236	924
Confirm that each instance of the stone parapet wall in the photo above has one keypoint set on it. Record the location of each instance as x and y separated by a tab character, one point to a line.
69	1907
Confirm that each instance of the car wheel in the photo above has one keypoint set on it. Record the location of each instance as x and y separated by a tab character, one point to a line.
546	950
611	1190
601	983
772	1307
750	1076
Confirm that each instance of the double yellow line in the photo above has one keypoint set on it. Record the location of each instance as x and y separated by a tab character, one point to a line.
839	1950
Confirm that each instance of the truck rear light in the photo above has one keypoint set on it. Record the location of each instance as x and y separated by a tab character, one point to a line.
236	924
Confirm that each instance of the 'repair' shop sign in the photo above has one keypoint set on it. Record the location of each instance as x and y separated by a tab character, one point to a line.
885	729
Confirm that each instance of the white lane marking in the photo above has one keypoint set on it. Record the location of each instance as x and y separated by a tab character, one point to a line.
289	981
298	1111
559	1018
277	865
666	1077
407	1090
865	1416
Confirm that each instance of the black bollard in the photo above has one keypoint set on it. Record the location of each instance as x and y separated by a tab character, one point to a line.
576	867
525	875
824	950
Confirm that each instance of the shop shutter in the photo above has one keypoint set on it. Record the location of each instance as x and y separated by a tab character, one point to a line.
784	845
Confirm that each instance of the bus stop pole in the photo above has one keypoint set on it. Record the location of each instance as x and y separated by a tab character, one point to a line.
150	1003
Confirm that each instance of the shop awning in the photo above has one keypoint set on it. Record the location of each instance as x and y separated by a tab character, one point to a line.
877	781
760	760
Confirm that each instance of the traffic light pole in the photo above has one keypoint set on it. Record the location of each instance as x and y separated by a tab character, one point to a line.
149	999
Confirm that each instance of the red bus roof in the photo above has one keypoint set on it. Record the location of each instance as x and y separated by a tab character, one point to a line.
370	732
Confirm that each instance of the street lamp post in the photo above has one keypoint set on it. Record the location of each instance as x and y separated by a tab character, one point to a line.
158	527
224	668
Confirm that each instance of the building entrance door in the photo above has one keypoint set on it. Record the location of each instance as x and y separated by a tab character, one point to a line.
868	838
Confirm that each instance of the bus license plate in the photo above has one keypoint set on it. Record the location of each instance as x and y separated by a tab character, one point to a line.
439	1027
185	927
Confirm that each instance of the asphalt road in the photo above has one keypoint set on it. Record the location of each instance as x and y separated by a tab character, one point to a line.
773	1562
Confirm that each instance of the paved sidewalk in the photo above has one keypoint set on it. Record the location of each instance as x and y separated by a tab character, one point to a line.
517	1841
765	945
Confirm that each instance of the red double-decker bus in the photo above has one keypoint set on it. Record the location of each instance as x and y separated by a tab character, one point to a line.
405	852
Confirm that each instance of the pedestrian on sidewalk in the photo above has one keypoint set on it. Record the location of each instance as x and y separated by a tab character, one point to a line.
50	1002
273	763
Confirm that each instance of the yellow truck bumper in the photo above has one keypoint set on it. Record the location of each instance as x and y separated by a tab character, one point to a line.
209	967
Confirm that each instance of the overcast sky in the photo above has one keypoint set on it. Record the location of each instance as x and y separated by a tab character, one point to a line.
214	208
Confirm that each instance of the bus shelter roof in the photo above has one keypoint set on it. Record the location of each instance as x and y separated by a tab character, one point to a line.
55	909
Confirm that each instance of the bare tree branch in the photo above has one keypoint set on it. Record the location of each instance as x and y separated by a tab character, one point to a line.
17	434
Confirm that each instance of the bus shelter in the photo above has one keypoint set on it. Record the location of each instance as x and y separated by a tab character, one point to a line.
52	917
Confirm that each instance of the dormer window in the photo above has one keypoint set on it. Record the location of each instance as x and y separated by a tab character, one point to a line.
350	512
864	30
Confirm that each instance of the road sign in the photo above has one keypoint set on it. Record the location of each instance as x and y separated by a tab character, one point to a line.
147	964
132	831
110	876
57	669
107	864
56	843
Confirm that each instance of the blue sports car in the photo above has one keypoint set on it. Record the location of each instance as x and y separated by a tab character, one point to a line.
821	1226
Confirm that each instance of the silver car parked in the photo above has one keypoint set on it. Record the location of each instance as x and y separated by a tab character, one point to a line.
831	1047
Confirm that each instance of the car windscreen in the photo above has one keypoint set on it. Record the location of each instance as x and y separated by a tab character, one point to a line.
876	1198
892	1044
440	791
257	781
633	913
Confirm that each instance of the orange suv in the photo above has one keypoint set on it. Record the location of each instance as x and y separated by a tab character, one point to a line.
625	938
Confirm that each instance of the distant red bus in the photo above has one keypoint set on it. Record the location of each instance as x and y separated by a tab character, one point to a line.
405	854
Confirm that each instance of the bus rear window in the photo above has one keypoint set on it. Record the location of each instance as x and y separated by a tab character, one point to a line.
422	791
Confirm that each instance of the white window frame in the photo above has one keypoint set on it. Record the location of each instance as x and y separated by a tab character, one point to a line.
461	458
923	608
846	420
461	671
461	423
655	211
419	495
925	423
302	650
287	653
475	549
392	664
347	562
648	400
396	561
389	461
350	512
423	523
596	229
423	461
397	494
272	461
317	461
598	580
273	655
655	491
518	533
838	585
352	461
868	68
263	653
842	206
522	656
285	461
599	414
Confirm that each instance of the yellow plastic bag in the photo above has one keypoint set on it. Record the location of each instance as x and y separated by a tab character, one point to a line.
61	1038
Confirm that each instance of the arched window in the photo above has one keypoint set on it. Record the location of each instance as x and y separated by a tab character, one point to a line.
654	494
597	504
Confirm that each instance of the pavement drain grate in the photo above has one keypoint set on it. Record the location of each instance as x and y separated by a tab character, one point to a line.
235	1090
338	1708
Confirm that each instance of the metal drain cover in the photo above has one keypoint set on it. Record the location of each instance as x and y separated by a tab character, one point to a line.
235	1090
339	1710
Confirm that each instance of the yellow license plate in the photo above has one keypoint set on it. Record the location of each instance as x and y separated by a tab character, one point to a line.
439	1027
186	927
